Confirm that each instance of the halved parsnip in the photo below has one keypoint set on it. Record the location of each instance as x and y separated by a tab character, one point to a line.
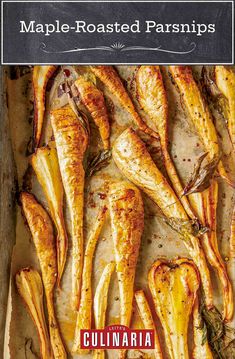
30	288
41	229
153	99
200	115
94	101
85	308
71	140
127	224
205	205
46	166
174	287
210	244
225	81
41	76
147	319
135	162
109	76
100	303
232	235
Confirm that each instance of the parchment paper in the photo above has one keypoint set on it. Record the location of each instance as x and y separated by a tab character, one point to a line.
158	239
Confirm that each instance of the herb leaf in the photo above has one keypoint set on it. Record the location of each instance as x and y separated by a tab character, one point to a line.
208	81
68	89
201	176
99	161
191	226
218	333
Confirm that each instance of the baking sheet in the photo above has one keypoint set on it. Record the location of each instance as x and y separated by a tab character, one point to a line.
158	239
7	205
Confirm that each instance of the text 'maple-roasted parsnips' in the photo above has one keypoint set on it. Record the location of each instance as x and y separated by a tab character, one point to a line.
109	76
46	166
94	101
134	161
41	76
174	287
148	321
84	315
41	228
101	302
30	288
153	99
127	224
200	116
71	138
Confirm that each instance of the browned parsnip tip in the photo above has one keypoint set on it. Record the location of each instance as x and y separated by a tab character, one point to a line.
46	166
84	315
109	76
174	287
41	229
147	319
132	158
127	224
29	285
94	101
41	76
71	140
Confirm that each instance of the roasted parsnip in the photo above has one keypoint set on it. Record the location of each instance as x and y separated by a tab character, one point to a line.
174	286
41	75
71	140
30	288
100	303
46	166
201	347
134	161
109	76
147	319
94	101
41	229
200	115
232	235
225	81
85	308
210	245
127	224
153	99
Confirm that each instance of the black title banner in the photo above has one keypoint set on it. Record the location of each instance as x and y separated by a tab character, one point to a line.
115	32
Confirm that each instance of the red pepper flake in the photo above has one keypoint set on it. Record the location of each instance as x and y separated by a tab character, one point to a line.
102	195
67	72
